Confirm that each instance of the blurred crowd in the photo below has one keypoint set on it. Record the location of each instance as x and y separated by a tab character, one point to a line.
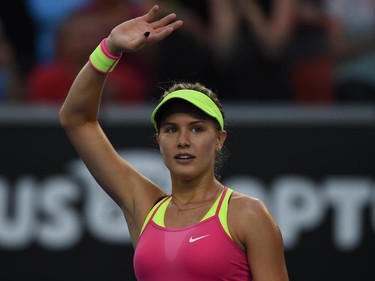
259	51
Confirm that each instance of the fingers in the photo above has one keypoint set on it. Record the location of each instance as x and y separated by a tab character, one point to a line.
164	21
159	23
163	31
151	13
160	28
161	34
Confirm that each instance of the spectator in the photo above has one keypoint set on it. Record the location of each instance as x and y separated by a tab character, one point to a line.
259	56
311	71
111	12
48	83
235	47
18	53
47	16
11	84
190	46
352	35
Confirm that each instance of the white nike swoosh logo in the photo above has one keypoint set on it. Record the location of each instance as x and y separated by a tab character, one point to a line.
192	240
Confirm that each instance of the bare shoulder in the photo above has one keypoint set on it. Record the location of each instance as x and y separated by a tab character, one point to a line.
249	217
256	232
245	205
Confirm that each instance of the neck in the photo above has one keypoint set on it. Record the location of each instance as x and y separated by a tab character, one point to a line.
191	202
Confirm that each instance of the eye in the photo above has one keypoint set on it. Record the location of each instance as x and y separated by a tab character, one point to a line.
197	129
170	129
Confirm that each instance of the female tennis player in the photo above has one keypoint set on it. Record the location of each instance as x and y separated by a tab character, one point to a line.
203	230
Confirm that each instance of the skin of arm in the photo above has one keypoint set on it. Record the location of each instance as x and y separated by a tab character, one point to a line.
255	230
217	32
224	26
14	91
134	193
275	31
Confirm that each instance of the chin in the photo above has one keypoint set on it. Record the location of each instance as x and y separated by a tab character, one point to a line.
184	175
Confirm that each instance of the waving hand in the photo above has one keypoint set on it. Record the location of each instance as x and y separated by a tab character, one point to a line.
135	34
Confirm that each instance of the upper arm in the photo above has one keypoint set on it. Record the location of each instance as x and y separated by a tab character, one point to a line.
261	239
133	192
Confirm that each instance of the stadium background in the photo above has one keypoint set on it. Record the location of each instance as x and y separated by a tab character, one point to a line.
313	167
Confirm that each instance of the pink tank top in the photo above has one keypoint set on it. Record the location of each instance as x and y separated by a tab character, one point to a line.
200	252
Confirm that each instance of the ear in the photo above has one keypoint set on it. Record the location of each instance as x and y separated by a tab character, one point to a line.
222	136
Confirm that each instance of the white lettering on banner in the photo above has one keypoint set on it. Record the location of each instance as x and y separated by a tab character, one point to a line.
348	204
298	207
61	224
55	212
104	219
18	230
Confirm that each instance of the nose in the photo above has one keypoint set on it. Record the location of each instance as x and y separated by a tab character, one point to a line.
182	144
183	140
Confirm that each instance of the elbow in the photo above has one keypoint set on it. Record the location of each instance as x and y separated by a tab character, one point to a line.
72	117
67	118
63	117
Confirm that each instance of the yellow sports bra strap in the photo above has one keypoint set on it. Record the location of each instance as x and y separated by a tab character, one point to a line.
153	210
223	212
212	211
160	213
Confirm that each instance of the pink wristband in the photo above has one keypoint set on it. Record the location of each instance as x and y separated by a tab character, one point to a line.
106	52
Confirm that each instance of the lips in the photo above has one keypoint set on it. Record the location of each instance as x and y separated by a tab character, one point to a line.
184	156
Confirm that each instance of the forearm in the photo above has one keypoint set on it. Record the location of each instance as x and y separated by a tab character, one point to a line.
273	32
224	27
83	100
82	103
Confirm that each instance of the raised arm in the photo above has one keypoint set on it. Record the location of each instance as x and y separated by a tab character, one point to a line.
134	193
274	31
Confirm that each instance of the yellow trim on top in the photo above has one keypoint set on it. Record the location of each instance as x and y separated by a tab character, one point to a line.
160	214
223	214
152	211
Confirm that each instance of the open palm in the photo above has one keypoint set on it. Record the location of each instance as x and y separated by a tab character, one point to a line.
130	35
